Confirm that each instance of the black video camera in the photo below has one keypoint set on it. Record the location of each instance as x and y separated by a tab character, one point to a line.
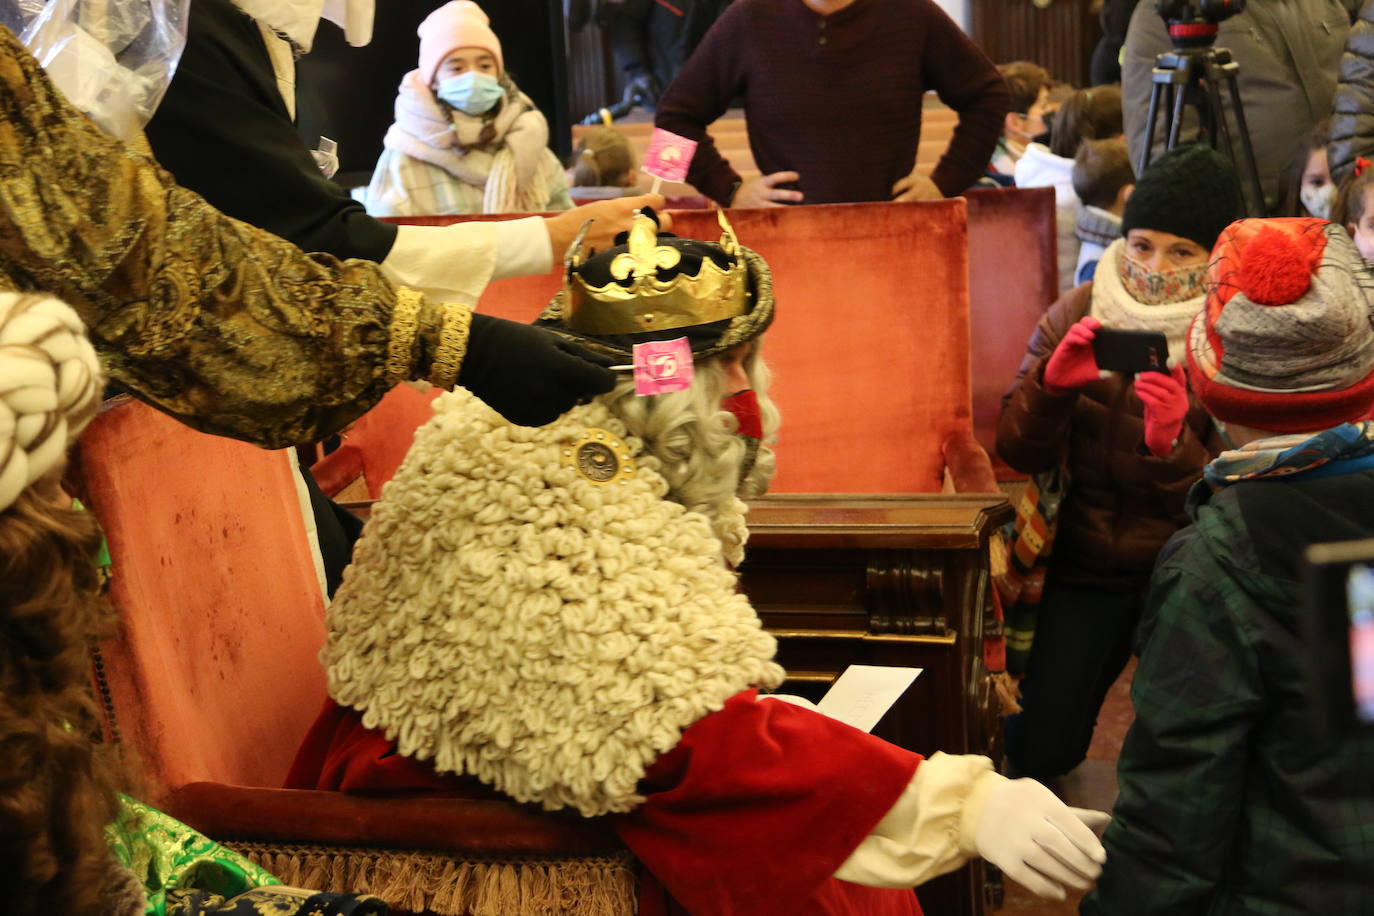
1194	24
1338	629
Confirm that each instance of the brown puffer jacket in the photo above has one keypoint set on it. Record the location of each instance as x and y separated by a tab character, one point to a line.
1123	503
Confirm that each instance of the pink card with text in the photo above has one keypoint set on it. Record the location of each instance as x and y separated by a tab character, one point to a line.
669	155
662	366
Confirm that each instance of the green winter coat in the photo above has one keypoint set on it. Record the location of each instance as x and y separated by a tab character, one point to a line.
1231	800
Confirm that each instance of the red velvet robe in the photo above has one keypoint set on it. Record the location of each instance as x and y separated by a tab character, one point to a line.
751	813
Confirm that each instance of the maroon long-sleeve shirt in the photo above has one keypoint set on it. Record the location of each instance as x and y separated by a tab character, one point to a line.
836	98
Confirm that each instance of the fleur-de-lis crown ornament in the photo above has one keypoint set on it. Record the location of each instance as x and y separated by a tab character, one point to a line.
655	282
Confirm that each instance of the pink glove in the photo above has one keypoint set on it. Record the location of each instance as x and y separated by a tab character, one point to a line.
1072	364
1166	404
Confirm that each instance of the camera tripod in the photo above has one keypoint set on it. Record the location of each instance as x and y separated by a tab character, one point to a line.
1193	77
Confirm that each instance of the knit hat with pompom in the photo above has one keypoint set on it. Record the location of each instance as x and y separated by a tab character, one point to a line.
1284	342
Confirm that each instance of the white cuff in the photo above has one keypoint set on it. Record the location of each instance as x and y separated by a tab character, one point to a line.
921	836
312	531
446	263
522	248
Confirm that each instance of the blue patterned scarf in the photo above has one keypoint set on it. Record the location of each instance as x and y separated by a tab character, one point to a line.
1342	449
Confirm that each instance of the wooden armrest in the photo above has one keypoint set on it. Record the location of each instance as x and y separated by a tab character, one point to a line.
968	464
464	826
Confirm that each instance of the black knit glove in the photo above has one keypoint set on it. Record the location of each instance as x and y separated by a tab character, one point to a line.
529	375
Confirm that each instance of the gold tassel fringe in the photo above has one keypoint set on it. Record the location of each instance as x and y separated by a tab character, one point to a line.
418	881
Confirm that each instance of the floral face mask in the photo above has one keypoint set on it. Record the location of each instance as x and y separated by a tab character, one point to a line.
1161	287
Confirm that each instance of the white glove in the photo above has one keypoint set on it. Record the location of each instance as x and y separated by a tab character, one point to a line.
1038	841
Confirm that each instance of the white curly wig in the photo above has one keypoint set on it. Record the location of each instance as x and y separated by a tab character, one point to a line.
695	444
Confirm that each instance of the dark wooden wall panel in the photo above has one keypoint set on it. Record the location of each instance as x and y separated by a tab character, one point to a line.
1060	36
591	77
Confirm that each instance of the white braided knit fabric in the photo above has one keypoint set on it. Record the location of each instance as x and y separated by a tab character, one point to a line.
50	386
508	618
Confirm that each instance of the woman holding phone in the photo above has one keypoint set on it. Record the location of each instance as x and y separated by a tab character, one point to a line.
1131	445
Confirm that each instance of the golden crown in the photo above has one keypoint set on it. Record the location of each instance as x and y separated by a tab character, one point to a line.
649	303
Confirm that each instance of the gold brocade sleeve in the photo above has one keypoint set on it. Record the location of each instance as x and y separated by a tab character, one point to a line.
225	326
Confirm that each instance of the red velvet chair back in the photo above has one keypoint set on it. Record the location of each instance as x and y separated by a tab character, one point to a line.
870	347
1013	278
374	447
214	675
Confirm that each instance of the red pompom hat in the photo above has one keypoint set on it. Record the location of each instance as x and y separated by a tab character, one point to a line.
1284	342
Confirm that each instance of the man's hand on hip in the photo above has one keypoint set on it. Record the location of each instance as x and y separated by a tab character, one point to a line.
916	187
763	191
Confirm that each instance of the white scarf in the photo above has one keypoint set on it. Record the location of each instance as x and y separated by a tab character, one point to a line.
511	168
1116	308
299	19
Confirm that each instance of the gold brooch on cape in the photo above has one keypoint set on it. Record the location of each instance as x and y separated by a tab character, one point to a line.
599	457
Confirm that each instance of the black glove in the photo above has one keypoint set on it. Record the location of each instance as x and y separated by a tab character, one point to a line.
529	375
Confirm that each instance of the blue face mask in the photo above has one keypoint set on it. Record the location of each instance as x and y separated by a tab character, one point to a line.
471	93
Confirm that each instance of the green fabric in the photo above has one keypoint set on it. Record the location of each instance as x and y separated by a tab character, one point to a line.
168	856
102	556
1231	799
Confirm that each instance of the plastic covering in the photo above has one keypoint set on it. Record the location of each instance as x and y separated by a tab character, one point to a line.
112	58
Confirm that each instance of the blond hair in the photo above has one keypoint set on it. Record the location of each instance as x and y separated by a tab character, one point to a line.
603	158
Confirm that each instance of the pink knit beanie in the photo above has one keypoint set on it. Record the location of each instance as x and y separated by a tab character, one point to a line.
459	24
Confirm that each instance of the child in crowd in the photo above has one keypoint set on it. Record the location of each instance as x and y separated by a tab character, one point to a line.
1029	85
1088	114
1102	179
1054	100
602	165
1306	188
465	139
1131	448
1234	798
1354	207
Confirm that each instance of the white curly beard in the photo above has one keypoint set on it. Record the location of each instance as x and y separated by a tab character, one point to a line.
509	618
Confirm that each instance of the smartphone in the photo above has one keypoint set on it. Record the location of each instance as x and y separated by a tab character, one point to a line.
1131	352
1338	630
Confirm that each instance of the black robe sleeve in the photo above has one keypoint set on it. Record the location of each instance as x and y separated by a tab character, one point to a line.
224	132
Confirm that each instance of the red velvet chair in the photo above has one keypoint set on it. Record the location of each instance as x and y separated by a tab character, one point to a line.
1013	278
214	679
372	449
